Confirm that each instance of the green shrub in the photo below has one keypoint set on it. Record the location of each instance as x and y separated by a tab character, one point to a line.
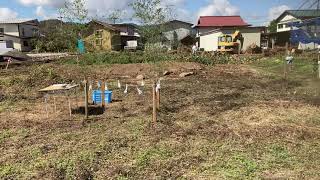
153	57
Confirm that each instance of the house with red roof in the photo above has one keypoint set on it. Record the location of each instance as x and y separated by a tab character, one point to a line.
209	28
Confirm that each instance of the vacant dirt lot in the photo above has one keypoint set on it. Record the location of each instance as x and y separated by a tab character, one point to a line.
226	121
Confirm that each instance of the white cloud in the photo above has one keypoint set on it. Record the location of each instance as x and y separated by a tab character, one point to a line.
43	13
40	12
6	13
102	8
219	8
49	3
275	12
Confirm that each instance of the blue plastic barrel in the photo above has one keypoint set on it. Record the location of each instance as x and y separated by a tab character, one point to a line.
97	96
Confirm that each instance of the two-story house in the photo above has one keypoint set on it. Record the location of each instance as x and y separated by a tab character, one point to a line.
17	33
102	36
291	16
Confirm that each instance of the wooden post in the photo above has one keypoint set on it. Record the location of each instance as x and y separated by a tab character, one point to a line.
103	88
86	98
319	65
7	66
46	104
158	97
285	68
285	62
272	43
154	112
70	108
55	104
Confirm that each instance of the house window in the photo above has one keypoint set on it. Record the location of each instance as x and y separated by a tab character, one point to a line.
1	31
23	32
280	26
98	33
98	42
25	43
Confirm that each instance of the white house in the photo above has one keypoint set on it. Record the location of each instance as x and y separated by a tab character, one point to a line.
209	28
290	16
17	33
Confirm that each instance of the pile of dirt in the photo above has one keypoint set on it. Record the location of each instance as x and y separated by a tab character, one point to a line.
253	49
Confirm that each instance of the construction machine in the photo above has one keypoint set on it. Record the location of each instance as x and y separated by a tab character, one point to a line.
229	43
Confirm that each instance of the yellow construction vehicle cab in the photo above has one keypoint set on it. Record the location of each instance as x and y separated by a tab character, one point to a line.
228	43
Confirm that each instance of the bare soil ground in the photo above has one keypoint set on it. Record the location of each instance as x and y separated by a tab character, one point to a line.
224	122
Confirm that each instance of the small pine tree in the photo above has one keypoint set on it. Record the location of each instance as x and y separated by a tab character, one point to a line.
175	43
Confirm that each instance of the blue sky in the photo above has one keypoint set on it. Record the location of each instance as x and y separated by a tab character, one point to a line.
256	12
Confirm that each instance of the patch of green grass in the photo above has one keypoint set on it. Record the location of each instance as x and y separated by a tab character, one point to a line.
239	166
153	57
9	172
302	68
146	157
4	134
277	156
122	178
120	58
79	165
136	127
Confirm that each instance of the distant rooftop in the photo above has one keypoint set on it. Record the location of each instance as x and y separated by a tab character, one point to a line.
221	21
302	14
17	21
106	25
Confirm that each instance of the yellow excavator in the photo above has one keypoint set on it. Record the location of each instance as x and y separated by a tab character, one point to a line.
229	43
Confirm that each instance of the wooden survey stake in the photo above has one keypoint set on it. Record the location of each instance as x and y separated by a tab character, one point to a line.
46	104
70	108
86	98
154	112
103	88
158	98
55	104
285	68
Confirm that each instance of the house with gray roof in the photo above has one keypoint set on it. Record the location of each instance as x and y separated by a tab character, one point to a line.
291	16
176	33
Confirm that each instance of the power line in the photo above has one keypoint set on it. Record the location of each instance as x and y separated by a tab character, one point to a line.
310	4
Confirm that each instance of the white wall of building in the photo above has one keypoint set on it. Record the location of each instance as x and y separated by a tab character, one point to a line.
10	29
19	35
251	36
282	26
209	40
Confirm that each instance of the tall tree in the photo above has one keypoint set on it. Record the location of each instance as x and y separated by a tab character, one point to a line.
273	26
115	16
74	11
175	43
152	14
